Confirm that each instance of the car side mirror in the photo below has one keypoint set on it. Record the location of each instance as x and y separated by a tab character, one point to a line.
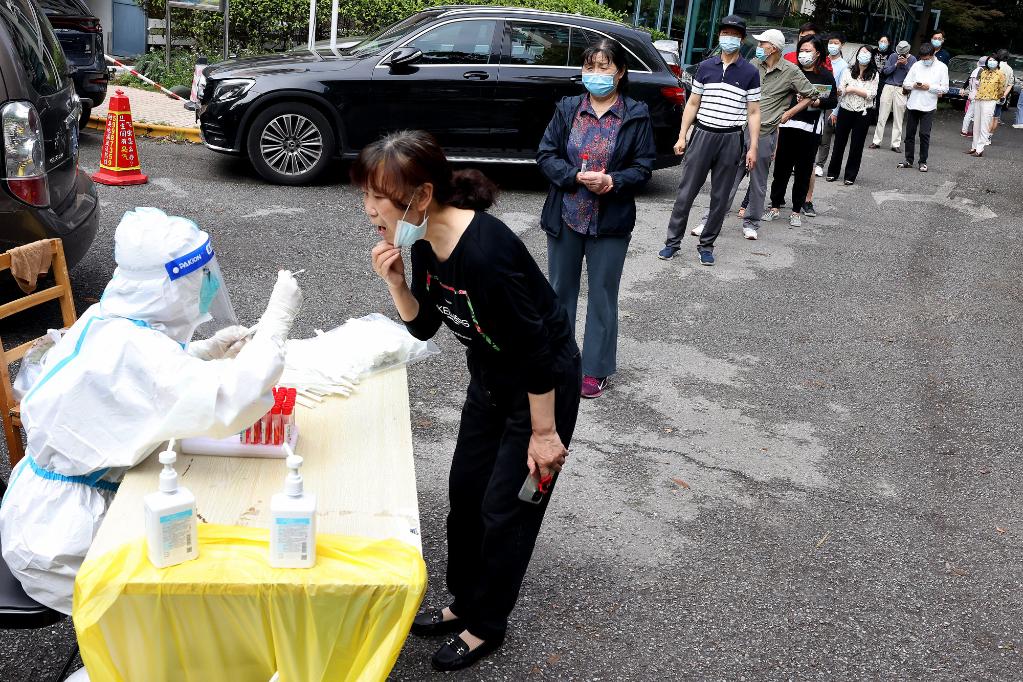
404	56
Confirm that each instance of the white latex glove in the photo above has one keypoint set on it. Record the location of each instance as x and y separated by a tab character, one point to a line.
285	302
224	344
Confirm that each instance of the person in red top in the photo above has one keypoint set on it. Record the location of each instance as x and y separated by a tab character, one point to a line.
807	29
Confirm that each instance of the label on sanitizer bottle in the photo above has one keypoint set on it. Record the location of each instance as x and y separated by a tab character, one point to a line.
176	536
292	539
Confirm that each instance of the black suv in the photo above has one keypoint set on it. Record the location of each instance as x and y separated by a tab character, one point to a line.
81	36
42	194
483	80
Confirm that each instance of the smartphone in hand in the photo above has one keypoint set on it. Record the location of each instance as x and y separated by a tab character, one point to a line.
534	489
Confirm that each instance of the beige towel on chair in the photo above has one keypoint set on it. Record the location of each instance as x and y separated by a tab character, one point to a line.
29	262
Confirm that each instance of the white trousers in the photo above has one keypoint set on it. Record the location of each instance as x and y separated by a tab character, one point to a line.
893	101
968	117
982	117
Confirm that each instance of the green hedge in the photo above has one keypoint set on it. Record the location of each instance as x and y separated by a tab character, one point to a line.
279	25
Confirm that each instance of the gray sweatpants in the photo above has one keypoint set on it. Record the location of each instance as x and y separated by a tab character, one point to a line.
756	193
829	132
718	154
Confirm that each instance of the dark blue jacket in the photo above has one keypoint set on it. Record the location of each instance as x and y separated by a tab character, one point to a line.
630	166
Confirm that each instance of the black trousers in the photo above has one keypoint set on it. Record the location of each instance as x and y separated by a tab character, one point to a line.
797	150
914	120
491	533
852	124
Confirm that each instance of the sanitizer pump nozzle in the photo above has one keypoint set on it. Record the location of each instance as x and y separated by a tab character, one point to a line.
169	476
293	482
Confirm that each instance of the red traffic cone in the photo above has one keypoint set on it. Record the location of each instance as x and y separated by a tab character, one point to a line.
119	162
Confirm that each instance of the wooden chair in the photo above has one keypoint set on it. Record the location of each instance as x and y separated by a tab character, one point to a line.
60	291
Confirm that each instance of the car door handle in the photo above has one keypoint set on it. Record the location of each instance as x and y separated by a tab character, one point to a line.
476	75
576	78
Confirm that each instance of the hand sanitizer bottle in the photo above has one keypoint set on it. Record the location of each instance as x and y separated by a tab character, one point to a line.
171	528
293	521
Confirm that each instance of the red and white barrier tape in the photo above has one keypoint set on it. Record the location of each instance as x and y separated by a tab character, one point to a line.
144	79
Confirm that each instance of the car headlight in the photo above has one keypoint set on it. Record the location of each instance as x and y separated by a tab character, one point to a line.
232	89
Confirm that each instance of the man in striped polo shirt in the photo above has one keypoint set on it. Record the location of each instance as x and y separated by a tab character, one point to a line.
725	99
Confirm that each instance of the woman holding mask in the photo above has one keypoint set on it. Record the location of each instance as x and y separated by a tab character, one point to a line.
471	273
800	132
597	151
856	94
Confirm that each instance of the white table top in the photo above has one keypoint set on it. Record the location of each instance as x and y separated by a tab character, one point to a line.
358	462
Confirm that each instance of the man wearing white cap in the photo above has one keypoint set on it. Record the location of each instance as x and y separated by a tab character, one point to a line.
893	97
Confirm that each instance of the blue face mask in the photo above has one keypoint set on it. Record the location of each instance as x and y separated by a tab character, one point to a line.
927	62
761	54
599	84
729	44
833	50
882	46
936	43
992	64
863	58
208	291
407	234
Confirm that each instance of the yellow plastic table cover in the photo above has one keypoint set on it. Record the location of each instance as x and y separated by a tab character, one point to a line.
229	616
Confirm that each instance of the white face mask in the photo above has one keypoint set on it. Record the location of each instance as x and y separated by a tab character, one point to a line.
407	234
806	58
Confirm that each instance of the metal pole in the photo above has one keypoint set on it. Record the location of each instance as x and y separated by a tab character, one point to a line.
687	34
166	34
671	16
227	28
731	6
635	20
333	25
312	24
660	13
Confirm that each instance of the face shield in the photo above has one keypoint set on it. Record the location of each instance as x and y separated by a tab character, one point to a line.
200	270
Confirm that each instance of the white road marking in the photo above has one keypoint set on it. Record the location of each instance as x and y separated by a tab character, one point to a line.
274	210
942	197
169	186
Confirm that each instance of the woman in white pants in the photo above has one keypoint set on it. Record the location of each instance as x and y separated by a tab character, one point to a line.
989	91
967	130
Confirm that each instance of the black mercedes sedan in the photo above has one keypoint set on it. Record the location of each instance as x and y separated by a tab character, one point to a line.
483	80
81	37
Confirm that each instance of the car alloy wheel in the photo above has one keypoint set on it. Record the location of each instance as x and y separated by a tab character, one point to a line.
291	144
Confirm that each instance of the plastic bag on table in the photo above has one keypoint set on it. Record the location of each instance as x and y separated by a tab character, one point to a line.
358	348
32	364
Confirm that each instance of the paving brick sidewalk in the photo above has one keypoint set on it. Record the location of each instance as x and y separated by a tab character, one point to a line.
151	107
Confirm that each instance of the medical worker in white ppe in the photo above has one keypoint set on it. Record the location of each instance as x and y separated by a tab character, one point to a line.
124	379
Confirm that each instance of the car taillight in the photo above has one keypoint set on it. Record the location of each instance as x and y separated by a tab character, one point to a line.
676	69
25	172
84	24
674	95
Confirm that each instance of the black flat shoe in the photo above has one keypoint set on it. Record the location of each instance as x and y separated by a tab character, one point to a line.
454	654
432	623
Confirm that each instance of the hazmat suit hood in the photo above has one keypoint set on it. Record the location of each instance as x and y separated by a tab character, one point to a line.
147	287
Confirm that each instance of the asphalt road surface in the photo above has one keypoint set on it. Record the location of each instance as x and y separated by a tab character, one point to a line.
807	466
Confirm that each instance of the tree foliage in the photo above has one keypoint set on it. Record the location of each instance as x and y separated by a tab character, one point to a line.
277	25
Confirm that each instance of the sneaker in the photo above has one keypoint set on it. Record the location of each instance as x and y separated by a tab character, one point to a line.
749	233
593	387
769	215
874	146
697	231
706	258
963	133
904	164
667	253
808	210
795	220
818	171
923	167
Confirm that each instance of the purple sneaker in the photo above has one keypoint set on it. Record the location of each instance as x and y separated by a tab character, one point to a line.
593	387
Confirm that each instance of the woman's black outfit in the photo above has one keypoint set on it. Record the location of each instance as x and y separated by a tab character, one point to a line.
492	295
798	140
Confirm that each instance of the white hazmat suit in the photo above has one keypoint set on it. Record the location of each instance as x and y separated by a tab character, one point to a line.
123	380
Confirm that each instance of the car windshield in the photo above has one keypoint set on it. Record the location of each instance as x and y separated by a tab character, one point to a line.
962	64
390	36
